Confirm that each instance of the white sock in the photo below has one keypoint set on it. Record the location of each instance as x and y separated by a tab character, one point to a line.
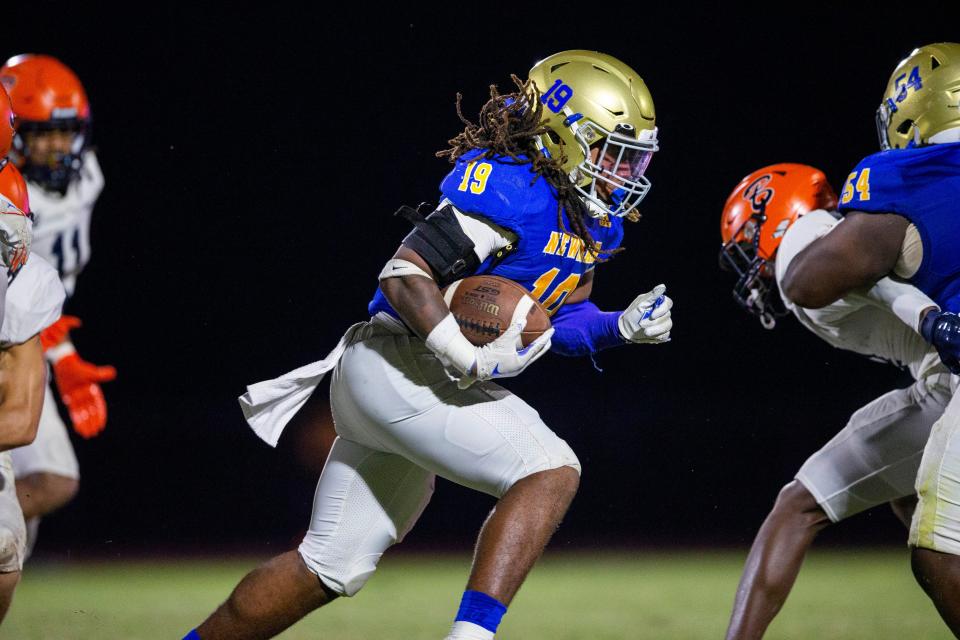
468	631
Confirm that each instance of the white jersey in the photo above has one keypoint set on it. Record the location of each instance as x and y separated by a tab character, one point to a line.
33	302
61	230
863	322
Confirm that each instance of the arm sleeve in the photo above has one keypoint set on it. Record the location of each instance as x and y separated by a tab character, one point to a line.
904	300
581	329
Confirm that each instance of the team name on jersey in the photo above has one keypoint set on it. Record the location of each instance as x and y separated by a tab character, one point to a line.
568	246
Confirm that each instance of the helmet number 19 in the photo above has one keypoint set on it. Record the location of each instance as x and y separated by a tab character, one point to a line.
557	96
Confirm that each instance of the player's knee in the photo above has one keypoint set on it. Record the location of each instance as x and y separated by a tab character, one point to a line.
342	576
565	481
342	567
797	503
64	489
903	509
922	562
13	540
51	489
555	455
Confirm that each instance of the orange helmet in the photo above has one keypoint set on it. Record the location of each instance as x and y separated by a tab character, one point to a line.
755	218
47	95
14	188
6	126
15	221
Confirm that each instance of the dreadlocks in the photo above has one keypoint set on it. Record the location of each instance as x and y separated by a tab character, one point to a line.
508	127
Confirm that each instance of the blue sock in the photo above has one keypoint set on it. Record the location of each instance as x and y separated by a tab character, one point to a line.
482	610
192	636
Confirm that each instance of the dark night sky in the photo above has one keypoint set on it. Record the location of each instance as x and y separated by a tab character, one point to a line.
253	161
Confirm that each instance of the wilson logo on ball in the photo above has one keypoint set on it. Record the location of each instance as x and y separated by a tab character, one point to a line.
484	306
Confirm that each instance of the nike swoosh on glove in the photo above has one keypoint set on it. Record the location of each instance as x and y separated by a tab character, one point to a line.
647	319
504	357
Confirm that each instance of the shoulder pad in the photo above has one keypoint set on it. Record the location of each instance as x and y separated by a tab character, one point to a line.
898	180
441	242
33	301
498	189
869	185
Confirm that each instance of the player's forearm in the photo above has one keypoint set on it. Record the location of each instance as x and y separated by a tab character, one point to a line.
855	255
415	297
582	329
815	279
906	302
418	302
22	382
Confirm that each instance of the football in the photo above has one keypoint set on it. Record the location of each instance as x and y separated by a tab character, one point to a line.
484	306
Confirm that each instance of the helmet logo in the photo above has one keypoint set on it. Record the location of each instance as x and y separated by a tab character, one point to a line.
781	228
758	193
557	96
903	84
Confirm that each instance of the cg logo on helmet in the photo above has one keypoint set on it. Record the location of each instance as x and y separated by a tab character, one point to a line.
758	193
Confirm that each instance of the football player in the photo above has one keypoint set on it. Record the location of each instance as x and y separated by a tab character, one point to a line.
900	219
52	149
539	192
31	296
771	216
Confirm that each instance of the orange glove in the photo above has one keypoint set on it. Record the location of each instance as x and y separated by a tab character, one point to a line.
58	332
77	380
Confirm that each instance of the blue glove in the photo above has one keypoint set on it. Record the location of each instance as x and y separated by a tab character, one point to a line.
942	330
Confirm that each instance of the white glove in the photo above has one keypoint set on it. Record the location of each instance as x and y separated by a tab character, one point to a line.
647	319
504	357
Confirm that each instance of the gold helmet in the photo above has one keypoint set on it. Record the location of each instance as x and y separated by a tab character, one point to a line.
922	102
595	102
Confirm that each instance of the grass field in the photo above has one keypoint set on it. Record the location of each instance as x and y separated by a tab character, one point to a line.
670	595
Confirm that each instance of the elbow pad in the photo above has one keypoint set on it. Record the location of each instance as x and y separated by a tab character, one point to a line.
441	242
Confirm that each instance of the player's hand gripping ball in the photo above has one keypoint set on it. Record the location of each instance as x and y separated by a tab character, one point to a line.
484	307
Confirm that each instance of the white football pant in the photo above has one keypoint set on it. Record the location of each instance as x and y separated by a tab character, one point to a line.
936	521
13	531
401	420
875	458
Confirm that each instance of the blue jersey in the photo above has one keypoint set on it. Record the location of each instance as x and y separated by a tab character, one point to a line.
547	260
923	186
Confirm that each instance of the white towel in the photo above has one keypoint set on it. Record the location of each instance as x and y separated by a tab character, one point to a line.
269	405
